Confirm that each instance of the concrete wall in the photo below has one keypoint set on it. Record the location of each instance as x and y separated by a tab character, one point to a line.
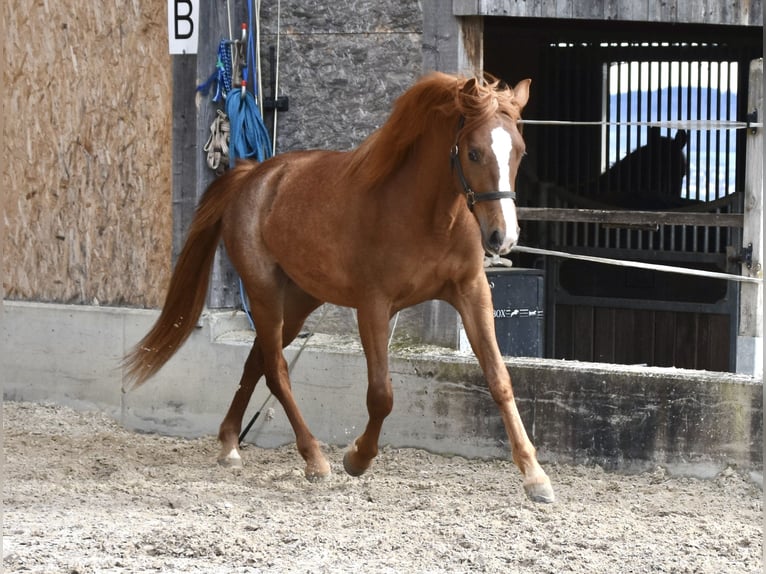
341	64
624	418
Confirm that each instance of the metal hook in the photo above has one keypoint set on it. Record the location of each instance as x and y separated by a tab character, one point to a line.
752	118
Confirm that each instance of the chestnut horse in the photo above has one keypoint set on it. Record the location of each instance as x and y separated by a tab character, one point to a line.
404	218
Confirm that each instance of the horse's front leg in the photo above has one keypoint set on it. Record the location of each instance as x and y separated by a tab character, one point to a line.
474	303
373	331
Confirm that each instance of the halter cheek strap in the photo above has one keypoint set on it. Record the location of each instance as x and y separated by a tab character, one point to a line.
471	196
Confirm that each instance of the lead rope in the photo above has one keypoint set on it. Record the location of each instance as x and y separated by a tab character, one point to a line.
639	265
217	146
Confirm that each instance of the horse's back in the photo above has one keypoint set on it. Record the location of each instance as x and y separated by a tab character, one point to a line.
288	178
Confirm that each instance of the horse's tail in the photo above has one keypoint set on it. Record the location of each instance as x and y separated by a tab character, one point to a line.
188	283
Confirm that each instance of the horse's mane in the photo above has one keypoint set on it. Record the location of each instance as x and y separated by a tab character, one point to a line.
429	104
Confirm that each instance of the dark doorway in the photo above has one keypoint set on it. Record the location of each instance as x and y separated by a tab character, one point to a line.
630	74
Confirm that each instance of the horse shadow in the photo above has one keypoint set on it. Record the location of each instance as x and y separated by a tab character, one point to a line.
648	178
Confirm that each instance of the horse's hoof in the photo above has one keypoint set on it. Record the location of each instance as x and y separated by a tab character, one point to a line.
351	468
230	460
318	476
540	492
318	473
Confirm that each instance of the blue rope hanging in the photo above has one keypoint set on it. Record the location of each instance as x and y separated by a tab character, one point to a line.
221	76
249	137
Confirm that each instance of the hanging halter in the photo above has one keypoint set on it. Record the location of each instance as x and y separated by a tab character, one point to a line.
471	196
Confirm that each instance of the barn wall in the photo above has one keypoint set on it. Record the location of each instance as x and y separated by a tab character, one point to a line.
95	220
88	111
342	64
86	167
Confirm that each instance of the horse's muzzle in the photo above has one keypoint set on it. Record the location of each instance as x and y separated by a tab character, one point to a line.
497	242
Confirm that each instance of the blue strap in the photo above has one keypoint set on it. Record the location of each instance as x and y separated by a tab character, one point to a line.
248	135
224	67
221	76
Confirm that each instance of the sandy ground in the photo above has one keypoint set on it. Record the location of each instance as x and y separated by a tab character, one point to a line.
81	494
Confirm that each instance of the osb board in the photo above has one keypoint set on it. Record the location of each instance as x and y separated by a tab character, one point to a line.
87	152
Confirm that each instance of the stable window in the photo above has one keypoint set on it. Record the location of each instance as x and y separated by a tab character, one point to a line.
694	94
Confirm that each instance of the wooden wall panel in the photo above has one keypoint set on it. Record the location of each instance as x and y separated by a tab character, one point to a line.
582	344
603	335
642	336
664	330
685	340
87	167
563	334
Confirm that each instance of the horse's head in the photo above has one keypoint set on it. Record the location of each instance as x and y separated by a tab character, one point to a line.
671	160
486	158
655	170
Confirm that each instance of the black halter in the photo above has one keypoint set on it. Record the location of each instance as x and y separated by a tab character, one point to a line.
471	196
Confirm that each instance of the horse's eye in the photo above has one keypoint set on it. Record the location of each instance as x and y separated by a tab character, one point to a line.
473	155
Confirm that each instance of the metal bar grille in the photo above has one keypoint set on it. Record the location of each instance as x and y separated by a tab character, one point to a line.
644	82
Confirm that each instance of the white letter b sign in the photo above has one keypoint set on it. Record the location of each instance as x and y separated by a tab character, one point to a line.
183	26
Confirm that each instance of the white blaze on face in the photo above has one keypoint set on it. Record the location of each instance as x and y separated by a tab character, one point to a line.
502	146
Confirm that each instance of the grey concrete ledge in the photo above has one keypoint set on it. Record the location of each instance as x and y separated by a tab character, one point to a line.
621	417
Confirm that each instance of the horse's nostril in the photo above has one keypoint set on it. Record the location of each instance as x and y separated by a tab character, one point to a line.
496	240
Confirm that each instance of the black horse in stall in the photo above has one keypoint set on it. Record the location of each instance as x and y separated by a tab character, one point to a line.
648	178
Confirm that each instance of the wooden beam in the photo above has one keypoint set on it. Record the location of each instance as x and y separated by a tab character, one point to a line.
629	218
185	150
674	11
192	116
750	335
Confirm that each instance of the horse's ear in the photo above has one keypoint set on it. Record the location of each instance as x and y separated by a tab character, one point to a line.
521	93
681	138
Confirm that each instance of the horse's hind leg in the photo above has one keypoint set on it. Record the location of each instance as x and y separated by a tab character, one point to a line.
268	317
275	370
297	307
228	433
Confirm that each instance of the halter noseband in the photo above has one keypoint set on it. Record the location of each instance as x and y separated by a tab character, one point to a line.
471	196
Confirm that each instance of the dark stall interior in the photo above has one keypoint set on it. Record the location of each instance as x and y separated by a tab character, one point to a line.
676	185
